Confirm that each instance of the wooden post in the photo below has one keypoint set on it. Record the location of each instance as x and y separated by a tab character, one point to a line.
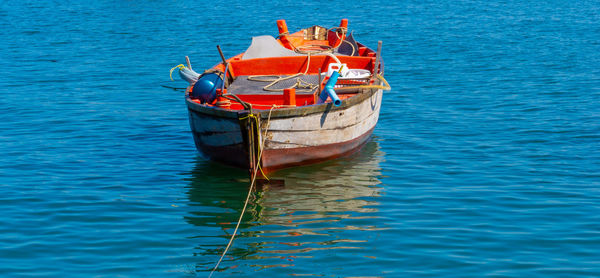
187	60
283	32
289	96
225	63
377	59
221	53
344	23
282	27
250	146
319	91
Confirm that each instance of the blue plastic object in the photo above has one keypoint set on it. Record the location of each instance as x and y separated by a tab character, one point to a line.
329	92
205	89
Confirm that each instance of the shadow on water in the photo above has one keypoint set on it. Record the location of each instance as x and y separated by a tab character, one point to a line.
323	207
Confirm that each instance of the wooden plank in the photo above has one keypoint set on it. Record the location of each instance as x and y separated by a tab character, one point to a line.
332	119
312	130
211	131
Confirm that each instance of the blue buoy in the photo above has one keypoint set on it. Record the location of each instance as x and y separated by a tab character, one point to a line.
205	89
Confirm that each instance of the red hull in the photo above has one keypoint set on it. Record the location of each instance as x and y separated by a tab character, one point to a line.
274	159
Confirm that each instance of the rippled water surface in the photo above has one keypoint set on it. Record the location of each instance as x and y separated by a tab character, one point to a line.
485	161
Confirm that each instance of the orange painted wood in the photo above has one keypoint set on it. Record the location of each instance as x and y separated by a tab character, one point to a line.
282	26
362	50
283	34
344	23
289	97
295	64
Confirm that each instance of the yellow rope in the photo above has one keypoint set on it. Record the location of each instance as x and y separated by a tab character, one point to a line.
237	225
249	115
180	67
261	146
252	116
387	86
249	191
260	149
380	77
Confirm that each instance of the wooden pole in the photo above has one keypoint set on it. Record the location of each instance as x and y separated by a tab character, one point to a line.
225	63
319	91
377	58
221	53
187	60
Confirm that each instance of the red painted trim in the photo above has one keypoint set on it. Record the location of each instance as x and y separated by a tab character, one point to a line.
295	64
275	159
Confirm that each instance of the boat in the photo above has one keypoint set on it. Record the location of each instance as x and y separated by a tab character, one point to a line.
298	99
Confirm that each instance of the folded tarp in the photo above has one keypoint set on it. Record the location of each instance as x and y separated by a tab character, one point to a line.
267	46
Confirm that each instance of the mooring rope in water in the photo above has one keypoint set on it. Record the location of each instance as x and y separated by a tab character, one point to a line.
247	197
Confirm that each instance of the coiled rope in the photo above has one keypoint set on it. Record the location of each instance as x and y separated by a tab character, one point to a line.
274	79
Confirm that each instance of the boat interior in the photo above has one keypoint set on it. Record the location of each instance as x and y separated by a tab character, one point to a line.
293	69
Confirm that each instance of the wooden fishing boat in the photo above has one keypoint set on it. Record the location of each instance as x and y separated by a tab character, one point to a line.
302	98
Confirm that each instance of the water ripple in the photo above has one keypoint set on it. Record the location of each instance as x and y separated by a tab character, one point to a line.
485	161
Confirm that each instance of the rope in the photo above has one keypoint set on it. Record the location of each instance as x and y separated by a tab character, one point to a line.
344	31
308	50
249	191
257	128
386	87
346	41
260	146
180	67
274	79
351	45
233	97
300	84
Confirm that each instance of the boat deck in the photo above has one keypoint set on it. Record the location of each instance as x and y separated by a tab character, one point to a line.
243	86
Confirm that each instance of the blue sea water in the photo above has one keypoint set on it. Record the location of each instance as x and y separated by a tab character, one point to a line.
485	161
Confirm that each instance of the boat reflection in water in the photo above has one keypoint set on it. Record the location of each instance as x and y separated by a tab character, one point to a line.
319	211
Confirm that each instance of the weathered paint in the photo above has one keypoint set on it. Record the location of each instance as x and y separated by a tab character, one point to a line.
326	128
290	141
274	159
214	131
